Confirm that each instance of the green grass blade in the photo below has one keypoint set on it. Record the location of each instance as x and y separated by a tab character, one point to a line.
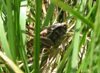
90	4
76	45
95	37
76	39
65	57
11	31
23	20
82	41
22	35
89	14
85	61
75	13
4	40
37	36
49	15
4	4
68	68
98	69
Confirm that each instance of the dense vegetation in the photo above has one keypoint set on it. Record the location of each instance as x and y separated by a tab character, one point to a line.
78	50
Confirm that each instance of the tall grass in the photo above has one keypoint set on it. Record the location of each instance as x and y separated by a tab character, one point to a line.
37	37
15	41
77	52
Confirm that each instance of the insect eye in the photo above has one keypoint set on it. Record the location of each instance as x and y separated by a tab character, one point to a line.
65	26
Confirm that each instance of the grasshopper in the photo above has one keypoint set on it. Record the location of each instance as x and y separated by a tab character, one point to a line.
50	35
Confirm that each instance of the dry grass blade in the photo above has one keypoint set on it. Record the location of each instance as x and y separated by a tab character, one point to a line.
10	63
